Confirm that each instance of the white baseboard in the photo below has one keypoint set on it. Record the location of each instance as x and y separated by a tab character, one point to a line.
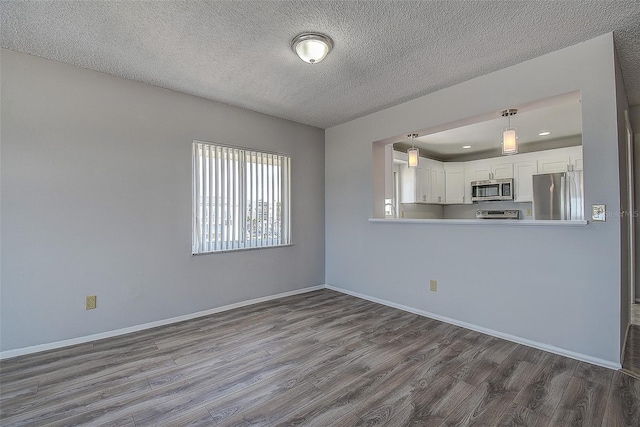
529	343
81	340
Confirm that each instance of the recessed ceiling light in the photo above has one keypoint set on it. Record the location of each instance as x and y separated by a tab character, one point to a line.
312	47
545	133
466	146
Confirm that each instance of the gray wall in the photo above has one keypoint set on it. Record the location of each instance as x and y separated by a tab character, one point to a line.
96	200
554	286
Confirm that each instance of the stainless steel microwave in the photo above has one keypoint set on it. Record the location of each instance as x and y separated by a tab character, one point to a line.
491	190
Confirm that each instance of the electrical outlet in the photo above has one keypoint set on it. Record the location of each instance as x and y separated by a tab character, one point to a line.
528	212
433	285
90	302
598	212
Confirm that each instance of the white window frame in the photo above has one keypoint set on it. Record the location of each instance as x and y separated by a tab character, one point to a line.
223	177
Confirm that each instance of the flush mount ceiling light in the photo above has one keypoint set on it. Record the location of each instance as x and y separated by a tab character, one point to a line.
312	47
509	138
466	146
413	152
545	133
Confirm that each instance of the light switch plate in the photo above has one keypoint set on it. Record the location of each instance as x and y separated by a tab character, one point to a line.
598	213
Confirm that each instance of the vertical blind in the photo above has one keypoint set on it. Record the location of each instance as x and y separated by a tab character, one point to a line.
241	198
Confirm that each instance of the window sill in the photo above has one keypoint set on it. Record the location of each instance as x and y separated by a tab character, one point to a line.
500	222
241	249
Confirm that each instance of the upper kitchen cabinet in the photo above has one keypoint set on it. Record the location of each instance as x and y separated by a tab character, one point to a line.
415	183
553	164
560	160
523	180
475	171
438	185
501	170
423	184
489	169
437	193
575	158
454	182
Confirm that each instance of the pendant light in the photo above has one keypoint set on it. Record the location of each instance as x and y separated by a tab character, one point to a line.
312	47
509	138
413	152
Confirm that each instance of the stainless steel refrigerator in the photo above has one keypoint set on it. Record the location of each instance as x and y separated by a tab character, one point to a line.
558	196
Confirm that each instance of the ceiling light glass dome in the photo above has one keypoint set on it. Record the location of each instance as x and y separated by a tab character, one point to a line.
312	47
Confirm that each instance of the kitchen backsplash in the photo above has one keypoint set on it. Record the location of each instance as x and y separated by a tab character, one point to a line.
420	211
469	211
433	211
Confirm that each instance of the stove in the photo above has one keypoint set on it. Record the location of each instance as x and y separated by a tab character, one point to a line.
498	214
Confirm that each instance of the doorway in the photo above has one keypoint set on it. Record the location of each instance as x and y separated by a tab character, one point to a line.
631	356
634	309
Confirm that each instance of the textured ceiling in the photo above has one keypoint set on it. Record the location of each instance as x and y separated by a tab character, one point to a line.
385	53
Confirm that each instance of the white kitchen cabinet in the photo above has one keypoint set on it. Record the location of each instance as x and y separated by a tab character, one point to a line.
477	172
454	183
474	172
553	164
415	183
424	184
577	164
575	158
408	184
484	170
424	187
523	180
437	184
560	160
436	170
501	170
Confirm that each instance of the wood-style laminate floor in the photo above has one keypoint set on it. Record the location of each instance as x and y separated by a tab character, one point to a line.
316	359
635	314
631	358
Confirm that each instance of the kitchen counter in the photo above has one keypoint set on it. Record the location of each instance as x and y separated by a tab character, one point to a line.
500	222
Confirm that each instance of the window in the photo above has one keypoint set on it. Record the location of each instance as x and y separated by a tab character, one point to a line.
241	199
